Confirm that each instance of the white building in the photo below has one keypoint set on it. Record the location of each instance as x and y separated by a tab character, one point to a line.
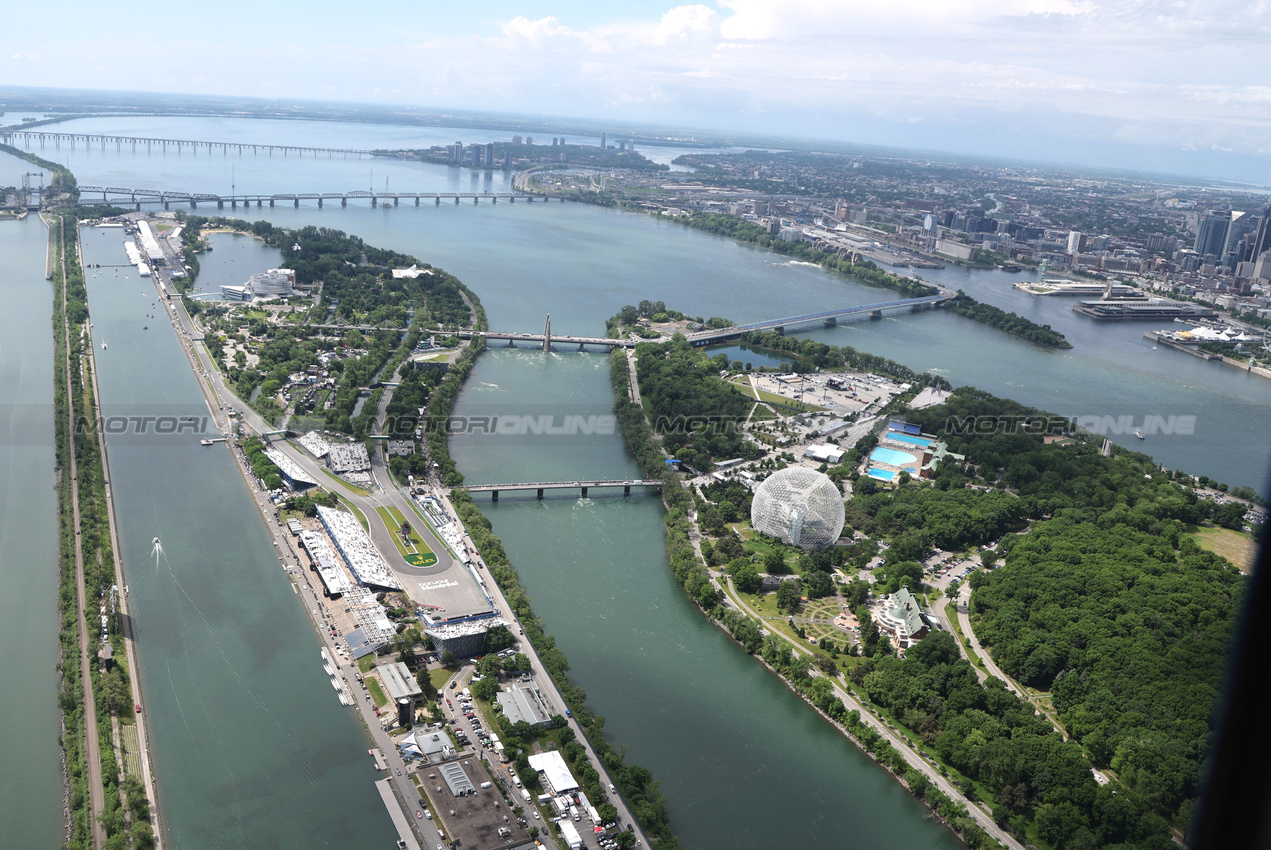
275	283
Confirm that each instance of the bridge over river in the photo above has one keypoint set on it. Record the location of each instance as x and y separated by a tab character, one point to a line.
127	197
42	139
828	318
584	486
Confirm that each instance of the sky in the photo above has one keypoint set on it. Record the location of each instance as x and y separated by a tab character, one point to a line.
1166	85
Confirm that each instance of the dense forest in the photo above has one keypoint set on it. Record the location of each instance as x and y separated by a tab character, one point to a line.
965	305
696	413
1106	601
1126	622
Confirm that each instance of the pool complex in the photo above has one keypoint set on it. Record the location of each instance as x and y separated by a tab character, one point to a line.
920	442
881	474
892	457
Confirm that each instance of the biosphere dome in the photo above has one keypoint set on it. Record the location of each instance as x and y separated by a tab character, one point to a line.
799	506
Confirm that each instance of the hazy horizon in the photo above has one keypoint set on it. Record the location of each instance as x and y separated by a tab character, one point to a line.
1126	84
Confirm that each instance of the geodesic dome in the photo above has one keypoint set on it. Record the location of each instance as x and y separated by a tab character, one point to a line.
799	506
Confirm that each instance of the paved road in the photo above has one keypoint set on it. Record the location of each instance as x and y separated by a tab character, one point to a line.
889	732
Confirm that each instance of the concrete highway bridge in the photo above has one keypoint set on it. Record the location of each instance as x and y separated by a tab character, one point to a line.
136	198
828	318
584	486
42	139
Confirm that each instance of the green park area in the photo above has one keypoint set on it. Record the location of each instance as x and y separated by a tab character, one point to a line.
412	549
1235	546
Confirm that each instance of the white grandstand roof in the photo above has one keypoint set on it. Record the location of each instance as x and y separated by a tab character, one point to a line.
289	467
361	555
315	444
348	457
329	567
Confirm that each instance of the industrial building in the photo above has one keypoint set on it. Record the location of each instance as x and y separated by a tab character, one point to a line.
525	702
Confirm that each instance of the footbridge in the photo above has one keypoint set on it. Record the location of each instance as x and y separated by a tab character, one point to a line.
828	318
136	198
584	486
43	139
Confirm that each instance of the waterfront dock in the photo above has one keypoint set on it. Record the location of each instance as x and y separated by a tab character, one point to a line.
1136	310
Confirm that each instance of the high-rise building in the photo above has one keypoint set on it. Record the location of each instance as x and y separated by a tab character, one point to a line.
529	140
1262	242
1242	224
1076	242
489	153
603	141
1211	236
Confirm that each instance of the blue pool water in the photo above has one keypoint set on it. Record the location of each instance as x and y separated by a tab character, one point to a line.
881	474
891	457
920	442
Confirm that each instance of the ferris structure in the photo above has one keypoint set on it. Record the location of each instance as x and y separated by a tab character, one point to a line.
799	506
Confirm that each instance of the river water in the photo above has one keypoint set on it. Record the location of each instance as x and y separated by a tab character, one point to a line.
724	738
30	783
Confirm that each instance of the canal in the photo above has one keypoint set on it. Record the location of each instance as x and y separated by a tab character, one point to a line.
31	798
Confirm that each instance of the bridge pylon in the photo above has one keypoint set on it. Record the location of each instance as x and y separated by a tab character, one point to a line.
547	334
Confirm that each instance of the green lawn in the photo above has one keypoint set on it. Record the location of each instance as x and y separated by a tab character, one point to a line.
417	554
439	676
377	693
1235	546
366	663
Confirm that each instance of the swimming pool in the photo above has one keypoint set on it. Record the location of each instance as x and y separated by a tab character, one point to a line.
881	474
891	457
920	442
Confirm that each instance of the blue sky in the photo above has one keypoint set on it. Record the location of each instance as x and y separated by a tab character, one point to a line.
1155	84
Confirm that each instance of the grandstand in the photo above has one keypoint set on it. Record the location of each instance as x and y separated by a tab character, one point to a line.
357	550
324	560
296	478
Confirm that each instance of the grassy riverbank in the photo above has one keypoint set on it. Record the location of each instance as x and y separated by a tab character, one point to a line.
125	817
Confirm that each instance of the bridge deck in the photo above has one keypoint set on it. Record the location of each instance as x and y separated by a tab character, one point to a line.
562	485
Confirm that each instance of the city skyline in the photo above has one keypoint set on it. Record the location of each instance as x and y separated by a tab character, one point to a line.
1110	83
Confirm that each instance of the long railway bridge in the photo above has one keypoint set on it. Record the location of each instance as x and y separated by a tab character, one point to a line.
136	198
43	139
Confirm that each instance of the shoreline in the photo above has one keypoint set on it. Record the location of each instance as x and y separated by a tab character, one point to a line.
181	321
891	736
1159	339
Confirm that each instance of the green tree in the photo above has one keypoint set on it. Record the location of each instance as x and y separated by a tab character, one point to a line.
789	595
747	579
485	689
